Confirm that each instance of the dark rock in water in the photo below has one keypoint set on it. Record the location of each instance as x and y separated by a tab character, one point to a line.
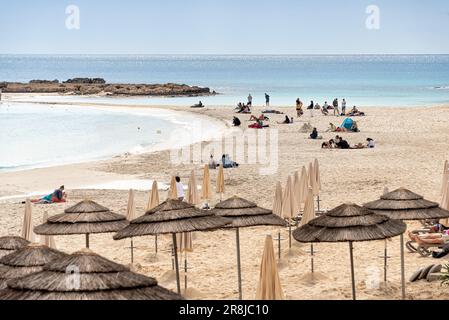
86	81
43	81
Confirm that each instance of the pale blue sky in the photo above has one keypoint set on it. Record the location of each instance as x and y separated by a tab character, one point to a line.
224	27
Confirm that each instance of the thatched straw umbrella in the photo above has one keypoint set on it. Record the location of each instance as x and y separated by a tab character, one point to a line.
48	241
26	260
445	177
220	182
206	190
349	223
173	192
277	210
172	217
85	217
403	204
269	287
85	275
244	213
27	226
10	244
307	216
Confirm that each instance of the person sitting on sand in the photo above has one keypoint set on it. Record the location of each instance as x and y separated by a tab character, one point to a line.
328	144
198	105
341	143
326	106
227	162
324	111
332	127
212	163
370	143
355	112
430	238
55	197
311	105
236	122
286	120
317	106
314	135
299	105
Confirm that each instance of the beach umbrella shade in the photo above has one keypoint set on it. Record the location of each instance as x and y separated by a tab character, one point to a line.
172	217
349	223
220	182
403	204
131	215
316	169
277	210
445	177
86	217
312	180
26	260
193	196
445	204
153	201
10	244
304	186
48	241
243	213
206	187
269	286
27	225
297	189
173	192
289	207
85	275
307	216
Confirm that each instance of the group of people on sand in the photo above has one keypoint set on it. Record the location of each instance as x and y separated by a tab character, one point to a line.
325	109
56	196
226	162
246	108
340	143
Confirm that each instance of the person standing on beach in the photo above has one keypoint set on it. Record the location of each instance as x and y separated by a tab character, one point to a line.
250	100
299	105
335	105
179	189
267	100
343	107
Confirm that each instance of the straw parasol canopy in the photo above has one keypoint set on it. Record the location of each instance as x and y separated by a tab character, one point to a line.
26	260
244	213
277	203
206	188
131	208
288	210
269	287
85	217
349	222
172	216
48	241
193	196
403	204
27	226
9	244
173	192
90	277
309	209
445	177
153	201
220	180
316	168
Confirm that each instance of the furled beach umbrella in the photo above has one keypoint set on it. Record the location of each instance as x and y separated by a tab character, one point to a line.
307	216
85	275
131	215
304	181
269	287
297	189
27	226
244	213
172	217
10	244
220	182
403	204
445	204
316	169
312	180
48	241
277	210
206	188
193	196
289	207
153	201
445	177
173	192
349	223
86	217
26	260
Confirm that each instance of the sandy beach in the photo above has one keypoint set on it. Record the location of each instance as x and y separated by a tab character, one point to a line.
411	147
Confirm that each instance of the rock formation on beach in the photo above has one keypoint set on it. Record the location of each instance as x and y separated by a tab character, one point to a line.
98	86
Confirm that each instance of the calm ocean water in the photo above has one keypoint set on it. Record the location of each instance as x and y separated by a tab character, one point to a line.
405	80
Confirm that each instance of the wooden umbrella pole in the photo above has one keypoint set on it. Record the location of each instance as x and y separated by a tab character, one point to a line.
311	256
385	261
132	251
87	240
318	202
239	269
351	257
185	270
402	267
279	245
175	249
155	244
289	234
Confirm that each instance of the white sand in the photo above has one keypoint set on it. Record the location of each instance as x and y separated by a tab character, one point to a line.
411	148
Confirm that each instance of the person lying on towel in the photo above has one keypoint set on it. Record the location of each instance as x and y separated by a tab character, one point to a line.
55	197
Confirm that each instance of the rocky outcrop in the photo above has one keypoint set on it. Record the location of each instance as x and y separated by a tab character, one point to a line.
98	86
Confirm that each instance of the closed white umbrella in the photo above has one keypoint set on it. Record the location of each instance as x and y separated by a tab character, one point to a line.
288	207
48	241
445	177
131	215
307	216
277	210
27	226
153	200
304	185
